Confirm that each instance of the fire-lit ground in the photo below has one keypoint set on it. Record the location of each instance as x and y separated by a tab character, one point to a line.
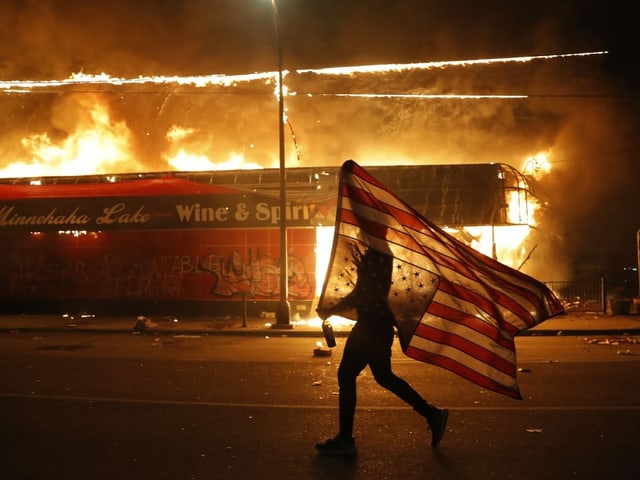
186	406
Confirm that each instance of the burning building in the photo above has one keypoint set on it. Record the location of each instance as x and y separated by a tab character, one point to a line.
207	243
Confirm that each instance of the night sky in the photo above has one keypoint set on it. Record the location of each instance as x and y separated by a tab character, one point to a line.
583	111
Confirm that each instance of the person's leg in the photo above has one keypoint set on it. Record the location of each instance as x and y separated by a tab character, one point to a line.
383	374
353	362
380	365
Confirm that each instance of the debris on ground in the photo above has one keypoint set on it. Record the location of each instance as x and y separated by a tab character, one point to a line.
143	324
611	341
615	342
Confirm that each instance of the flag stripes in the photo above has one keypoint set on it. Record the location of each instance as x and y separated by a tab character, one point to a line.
505	385
452	267
474	306
459	317
467	342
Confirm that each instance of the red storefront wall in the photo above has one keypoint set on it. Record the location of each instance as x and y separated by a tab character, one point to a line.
173	247
184	271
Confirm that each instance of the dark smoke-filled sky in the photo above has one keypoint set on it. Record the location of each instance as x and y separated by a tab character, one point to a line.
581	110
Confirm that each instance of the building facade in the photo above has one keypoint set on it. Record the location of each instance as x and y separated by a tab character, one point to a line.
206	243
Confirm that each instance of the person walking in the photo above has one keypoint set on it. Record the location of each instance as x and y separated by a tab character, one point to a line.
369	343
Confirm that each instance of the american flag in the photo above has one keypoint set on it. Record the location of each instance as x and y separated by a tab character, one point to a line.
454	307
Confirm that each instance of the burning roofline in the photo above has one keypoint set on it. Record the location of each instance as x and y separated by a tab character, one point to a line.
448	194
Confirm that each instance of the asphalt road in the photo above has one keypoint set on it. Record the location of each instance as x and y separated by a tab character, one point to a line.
95	406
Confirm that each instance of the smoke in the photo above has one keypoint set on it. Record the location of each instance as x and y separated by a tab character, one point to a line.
579	110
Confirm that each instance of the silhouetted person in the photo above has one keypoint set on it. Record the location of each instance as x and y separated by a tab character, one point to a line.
370	343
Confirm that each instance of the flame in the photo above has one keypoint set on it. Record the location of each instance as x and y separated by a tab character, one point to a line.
96	145
420	95
537	165
503	242
191	162
77	79
221	80
185	157
521	205
506	243
324	244
401	67
101	145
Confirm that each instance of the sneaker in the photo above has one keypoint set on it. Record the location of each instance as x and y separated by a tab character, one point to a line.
438	425
338	447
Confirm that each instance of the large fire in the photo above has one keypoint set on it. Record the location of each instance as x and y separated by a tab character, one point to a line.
508	243
100	144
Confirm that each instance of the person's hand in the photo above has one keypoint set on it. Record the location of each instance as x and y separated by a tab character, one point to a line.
323	312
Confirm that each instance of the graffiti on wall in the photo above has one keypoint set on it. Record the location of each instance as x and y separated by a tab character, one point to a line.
257	276
39	275
165	276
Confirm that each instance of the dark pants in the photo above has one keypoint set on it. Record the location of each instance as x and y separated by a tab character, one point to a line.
365	347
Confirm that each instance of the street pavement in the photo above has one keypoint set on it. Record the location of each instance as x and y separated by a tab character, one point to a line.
572	323
139	406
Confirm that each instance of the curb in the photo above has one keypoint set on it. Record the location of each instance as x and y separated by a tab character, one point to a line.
266	332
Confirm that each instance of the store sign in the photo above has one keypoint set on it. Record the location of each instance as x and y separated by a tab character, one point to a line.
157	212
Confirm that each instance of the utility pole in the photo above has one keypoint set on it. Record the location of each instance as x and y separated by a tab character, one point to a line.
283	313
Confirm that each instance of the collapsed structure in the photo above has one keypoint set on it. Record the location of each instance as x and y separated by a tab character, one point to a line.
207	243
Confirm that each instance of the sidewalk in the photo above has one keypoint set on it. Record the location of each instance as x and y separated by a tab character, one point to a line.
579	323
